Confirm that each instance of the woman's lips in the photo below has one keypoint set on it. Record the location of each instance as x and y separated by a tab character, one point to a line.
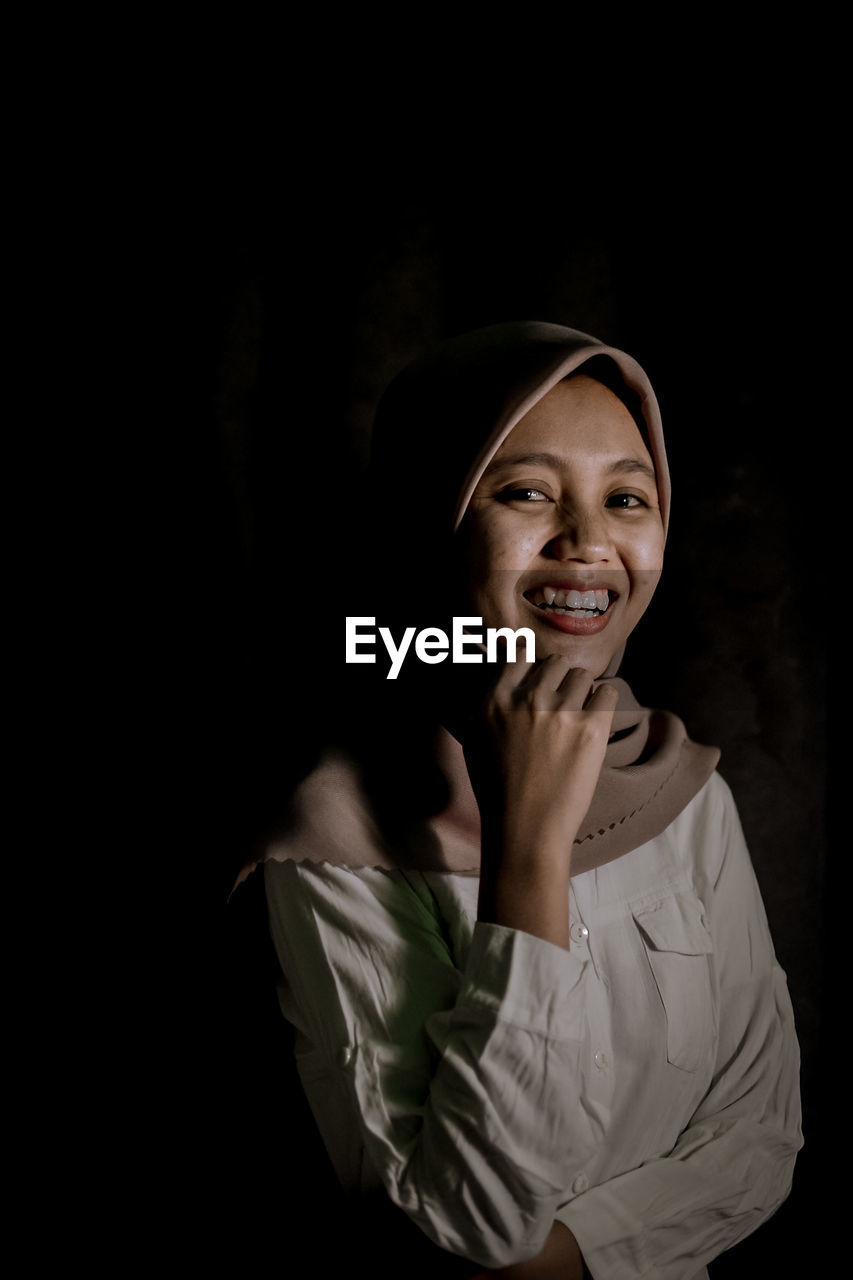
578	610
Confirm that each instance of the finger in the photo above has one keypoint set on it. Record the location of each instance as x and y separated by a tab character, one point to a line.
512	675
604	698
575	685
547	675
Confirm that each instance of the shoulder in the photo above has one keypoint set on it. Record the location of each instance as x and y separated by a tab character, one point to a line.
708	831
712	805
327	882
708	841
330	819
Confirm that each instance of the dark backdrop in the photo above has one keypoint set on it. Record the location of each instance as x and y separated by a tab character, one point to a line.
307	276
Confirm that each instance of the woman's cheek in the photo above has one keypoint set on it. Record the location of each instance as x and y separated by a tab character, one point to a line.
495	606
515	549
644	552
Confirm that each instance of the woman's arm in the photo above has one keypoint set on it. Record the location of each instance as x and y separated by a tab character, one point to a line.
455	1083
548	738
560	1259
534	763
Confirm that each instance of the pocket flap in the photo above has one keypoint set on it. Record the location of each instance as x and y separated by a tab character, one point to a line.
675	924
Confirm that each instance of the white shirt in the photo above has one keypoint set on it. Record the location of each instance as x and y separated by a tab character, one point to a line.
641	1087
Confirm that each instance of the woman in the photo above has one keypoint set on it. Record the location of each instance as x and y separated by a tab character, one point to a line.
535	998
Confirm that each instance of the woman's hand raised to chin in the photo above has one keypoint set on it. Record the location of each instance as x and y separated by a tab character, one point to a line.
534	756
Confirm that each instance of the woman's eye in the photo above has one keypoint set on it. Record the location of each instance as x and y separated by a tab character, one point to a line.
622	501
523	495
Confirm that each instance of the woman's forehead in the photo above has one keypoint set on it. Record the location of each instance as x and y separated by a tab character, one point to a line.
577	417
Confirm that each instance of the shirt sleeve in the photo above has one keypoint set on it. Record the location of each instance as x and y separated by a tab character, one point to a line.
733	1164
457	1078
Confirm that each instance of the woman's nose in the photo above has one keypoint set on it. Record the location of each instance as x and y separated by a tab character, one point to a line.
583	536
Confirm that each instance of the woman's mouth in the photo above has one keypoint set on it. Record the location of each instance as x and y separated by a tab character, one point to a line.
578	611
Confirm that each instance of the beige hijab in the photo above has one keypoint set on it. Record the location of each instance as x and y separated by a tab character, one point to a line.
464	400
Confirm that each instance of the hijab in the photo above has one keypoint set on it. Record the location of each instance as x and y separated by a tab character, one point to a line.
437	427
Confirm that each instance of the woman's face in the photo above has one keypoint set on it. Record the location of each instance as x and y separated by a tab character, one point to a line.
563	533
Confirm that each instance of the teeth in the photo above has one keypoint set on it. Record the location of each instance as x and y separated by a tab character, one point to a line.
585	604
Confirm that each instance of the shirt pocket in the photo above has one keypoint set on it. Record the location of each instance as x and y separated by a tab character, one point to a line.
677	945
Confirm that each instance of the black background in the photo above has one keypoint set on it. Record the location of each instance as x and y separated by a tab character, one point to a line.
310	251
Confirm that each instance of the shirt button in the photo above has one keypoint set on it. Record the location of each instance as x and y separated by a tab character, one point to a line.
344	1055
601	1060
579	932
581	1183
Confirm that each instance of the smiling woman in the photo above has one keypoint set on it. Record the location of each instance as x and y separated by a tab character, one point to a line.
536	1005
564	530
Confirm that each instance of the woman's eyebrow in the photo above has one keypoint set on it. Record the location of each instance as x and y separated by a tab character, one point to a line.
635	465
620	465
526	460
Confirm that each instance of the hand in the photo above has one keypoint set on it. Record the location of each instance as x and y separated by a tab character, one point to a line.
559	1259
535	756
